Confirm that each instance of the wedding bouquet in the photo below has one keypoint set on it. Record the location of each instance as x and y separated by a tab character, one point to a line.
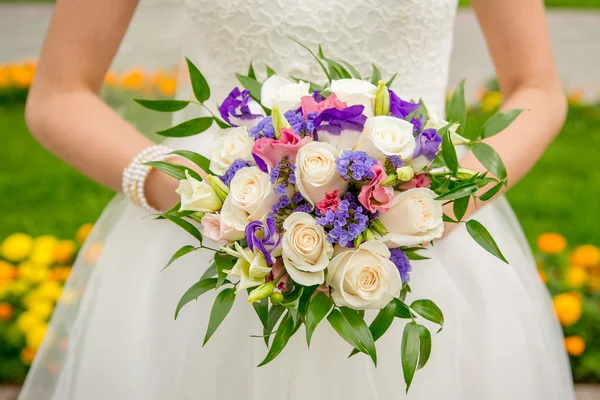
321	196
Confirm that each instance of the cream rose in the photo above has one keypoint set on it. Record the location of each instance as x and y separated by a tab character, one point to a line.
364	278
230	144
388	136
414	218
197	196
437	123
305	250
250	199
355	92
282	92
316	171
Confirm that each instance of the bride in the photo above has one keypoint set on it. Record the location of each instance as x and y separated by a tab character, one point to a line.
113	334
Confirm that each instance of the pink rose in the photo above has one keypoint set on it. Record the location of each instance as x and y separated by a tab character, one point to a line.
271	151
211	228
330	202
276	270
374	196
309	104
419	181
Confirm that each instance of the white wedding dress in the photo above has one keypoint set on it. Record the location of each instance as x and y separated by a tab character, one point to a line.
113	335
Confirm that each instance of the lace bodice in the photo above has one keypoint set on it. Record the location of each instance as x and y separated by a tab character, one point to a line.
411	37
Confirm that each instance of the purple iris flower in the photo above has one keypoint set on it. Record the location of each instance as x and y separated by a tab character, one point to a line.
236	109
428	144
334	121
263	238
401	109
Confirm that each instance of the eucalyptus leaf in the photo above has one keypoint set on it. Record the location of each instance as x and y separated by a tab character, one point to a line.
458	192
188	227
292	300
198	159
410	352
221	307
252	85
197	290
488	157
262	310
498	122
340	71
318	308
163	105
481	235
199	84
424	346
282	336
188	128
457	108
449	153
428	310
180	253
416	257
222	124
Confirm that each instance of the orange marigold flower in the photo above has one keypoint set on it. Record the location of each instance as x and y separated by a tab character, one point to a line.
551	243
64	251
575	96
568	308
27	355
575	345
167	86
133	79
587	256
543	276
576	276
6	311
83	232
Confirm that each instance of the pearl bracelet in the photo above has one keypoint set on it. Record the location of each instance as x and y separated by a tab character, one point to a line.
135	174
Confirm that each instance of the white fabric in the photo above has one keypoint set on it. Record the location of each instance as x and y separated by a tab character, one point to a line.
501	340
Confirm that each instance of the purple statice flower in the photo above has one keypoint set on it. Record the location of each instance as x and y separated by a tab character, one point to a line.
334	121
297	198
263	129
236	109
282	174
428	144
395	161
355	165
285	206
300	126
282	203
398	257
263	238
346	223
402	109
233	168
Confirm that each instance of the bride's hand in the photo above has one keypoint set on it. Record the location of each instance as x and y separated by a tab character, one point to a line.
160	187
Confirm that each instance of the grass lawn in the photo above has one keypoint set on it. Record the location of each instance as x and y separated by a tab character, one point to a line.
39	194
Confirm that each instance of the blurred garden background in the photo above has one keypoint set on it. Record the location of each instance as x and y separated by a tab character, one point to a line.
47	208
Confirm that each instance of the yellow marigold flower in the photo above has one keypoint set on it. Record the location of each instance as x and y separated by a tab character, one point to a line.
17	247
83	232
27	356
167	87
64	251
22	75
551	243
586	256
32	273
7	271
35	336
5	79
41	308
27	321
575	96
18	287
133	79
491	101
50	290
576	276
6	311
575	345
568	308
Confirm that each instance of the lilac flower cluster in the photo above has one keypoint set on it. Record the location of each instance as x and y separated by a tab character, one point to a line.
347	223
287	205
283	174
395	161
398	257
355	165
263	129
300	126
233	168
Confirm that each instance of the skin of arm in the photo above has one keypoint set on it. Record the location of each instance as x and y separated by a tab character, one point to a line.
517	37
64	111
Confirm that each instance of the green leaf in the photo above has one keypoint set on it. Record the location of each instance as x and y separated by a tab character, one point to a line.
222	124
361	330
382	322
493	191
163	105
424	346
275	313
199	84
220	309
410	352
174	170
197	290
282	336
457	108
458	192
251	73
198	159
376	75
416	257
484	239
429	310
223	261
262	310
292	300
449	153
353	71
210	272
315	57
498	122
180	253
270	72
392	79
488	157
188	128
402	309
188	227
252	85
339	323
305	299
318	308
460	207
340	71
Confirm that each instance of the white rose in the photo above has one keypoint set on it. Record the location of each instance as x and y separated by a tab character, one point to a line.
230	144
355	92
388	136
305	250
364	278
414	218
316	171
282	92
197	196
437	123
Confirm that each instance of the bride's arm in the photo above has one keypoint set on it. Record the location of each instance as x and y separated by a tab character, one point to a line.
517	36
65	113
